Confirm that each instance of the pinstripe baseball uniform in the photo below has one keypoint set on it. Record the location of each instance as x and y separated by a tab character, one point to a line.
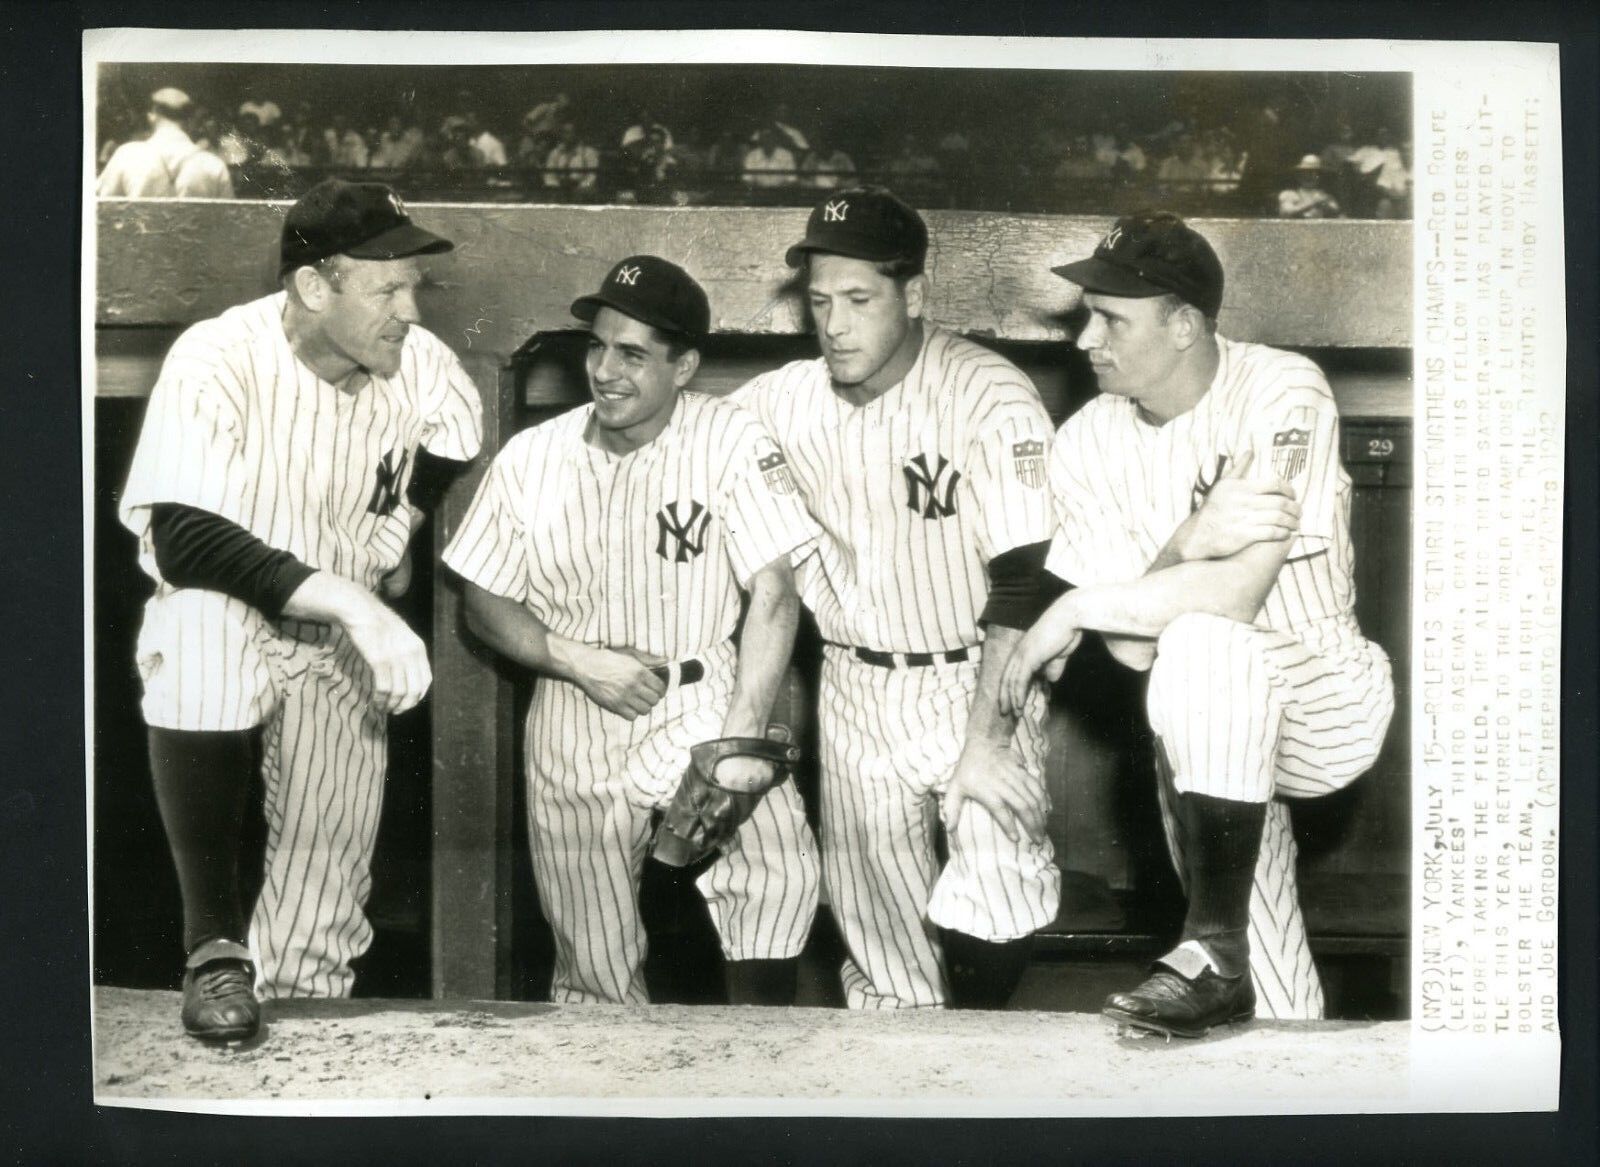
645	550
1295	704
915	492
237	426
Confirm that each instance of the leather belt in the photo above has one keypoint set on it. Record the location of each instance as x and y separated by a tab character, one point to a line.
681	672
906	660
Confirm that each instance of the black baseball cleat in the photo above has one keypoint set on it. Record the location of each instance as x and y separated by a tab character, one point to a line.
219	1000
1178	1006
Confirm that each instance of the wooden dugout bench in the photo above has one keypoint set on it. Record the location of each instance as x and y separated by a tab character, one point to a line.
1340	291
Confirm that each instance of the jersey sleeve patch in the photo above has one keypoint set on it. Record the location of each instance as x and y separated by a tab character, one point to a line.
1291	447
775	471
1028	457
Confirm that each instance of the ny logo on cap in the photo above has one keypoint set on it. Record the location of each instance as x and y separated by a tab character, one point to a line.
399	207
1111	238
628	275
835	211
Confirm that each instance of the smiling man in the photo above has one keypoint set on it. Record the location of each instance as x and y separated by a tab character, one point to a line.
274	491
606	550
922	456
1205	533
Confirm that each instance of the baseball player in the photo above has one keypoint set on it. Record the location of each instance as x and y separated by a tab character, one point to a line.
606	549
168	163
922	457
274	491
1261	684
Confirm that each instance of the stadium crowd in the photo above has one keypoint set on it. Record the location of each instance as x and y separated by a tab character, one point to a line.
274	145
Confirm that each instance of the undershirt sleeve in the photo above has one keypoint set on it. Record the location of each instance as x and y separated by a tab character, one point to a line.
197	549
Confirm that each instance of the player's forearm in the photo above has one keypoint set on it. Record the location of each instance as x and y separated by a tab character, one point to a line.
986	725
1145	606
1176	549
518	635
764	650
332	599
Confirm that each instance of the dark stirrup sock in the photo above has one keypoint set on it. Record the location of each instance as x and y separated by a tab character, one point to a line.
983	973
1221	843
202	780
762	982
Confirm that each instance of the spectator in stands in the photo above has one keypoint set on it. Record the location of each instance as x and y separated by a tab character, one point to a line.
242	143
1306	199
458	152
167	163
1336	169
789	135
294	140
686	161
637	133
827	167
544	121
343	145
1132	161
266	112
648	165
1385	177
1269	158
491	151
769	164
725	159
1227	161
572	164
912	163
393	150
1336	155
1187	167
1080	162
1106	150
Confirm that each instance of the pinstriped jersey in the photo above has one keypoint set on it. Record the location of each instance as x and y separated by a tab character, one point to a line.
237	425
1123	485
643	550
915	491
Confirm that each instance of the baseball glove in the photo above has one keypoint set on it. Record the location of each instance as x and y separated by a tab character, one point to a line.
705	813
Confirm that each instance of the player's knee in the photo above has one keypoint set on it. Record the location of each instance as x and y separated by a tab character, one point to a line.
1202	637
1201	661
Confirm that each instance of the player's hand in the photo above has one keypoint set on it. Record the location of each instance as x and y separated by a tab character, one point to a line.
1043	649
394	653
743	774
995	779
1239	512
397	582
619	680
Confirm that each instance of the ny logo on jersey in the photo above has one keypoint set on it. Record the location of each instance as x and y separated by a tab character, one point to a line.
386	490
628	275
923	487
1202	484
688	534
835	211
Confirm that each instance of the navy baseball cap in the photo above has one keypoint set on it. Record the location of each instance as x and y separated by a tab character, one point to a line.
654	291
364	220
864	222
1150	254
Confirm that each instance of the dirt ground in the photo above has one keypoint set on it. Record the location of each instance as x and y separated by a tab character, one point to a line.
448	1055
